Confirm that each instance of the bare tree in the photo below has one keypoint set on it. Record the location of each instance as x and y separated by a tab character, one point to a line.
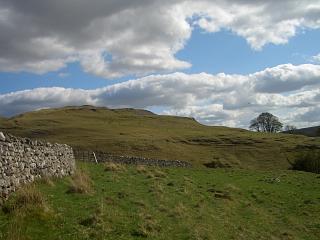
290	128
266	122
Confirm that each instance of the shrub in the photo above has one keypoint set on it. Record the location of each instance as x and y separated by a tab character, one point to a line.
217	164
309	162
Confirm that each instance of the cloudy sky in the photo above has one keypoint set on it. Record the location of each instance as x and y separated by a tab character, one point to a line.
221	61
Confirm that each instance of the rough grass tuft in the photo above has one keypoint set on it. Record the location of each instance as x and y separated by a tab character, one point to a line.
47	181
180	210
159	174
27	202
25	198
80	182
15	232
114	167
141	169
149	227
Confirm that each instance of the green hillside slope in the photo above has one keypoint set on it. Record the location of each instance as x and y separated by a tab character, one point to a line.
2	120
142	133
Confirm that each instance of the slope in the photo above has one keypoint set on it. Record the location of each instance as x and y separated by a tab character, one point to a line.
310	131
2	120
142	133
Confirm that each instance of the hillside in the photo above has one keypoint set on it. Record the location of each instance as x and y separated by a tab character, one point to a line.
142	133
310	131
149	203
2	120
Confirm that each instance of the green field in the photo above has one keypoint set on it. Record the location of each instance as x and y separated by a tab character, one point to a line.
150	203
142	133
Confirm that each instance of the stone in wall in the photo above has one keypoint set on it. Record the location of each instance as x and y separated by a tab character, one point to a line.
23	160
2	137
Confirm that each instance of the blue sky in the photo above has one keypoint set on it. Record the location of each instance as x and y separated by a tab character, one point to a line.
208	52
229	53
203	59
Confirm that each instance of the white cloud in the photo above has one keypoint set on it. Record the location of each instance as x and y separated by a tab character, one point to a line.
259	22
219	99
116	38
316	58
286	77
28	100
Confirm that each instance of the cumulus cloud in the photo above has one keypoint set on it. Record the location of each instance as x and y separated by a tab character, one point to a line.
286	77
116	38
28	100
219	99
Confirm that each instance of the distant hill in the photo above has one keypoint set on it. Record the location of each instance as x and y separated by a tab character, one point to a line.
310	131
142	133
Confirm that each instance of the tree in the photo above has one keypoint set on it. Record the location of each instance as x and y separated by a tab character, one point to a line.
254	125
290	128
266	122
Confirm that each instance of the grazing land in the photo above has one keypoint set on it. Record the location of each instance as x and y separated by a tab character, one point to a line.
144	134
126	202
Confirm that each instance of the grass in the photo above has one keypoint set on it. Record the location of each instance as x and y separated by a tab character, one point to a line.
150	203
27	197
110	166
27	205
141	133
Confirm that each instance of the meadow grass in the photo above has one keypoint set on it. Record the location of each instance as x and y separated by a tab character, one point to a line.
150	203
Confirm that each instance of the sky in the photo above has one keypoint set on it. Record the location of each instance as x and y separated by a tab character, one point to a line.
220	62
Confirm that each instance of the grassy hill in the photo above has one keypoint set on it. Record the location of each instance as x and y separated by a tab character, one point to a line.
142	133
2	120
310	131
151	203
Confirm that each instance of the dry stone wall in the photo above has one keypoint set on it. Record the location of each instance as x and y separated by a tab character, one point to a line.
23	160
90	156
